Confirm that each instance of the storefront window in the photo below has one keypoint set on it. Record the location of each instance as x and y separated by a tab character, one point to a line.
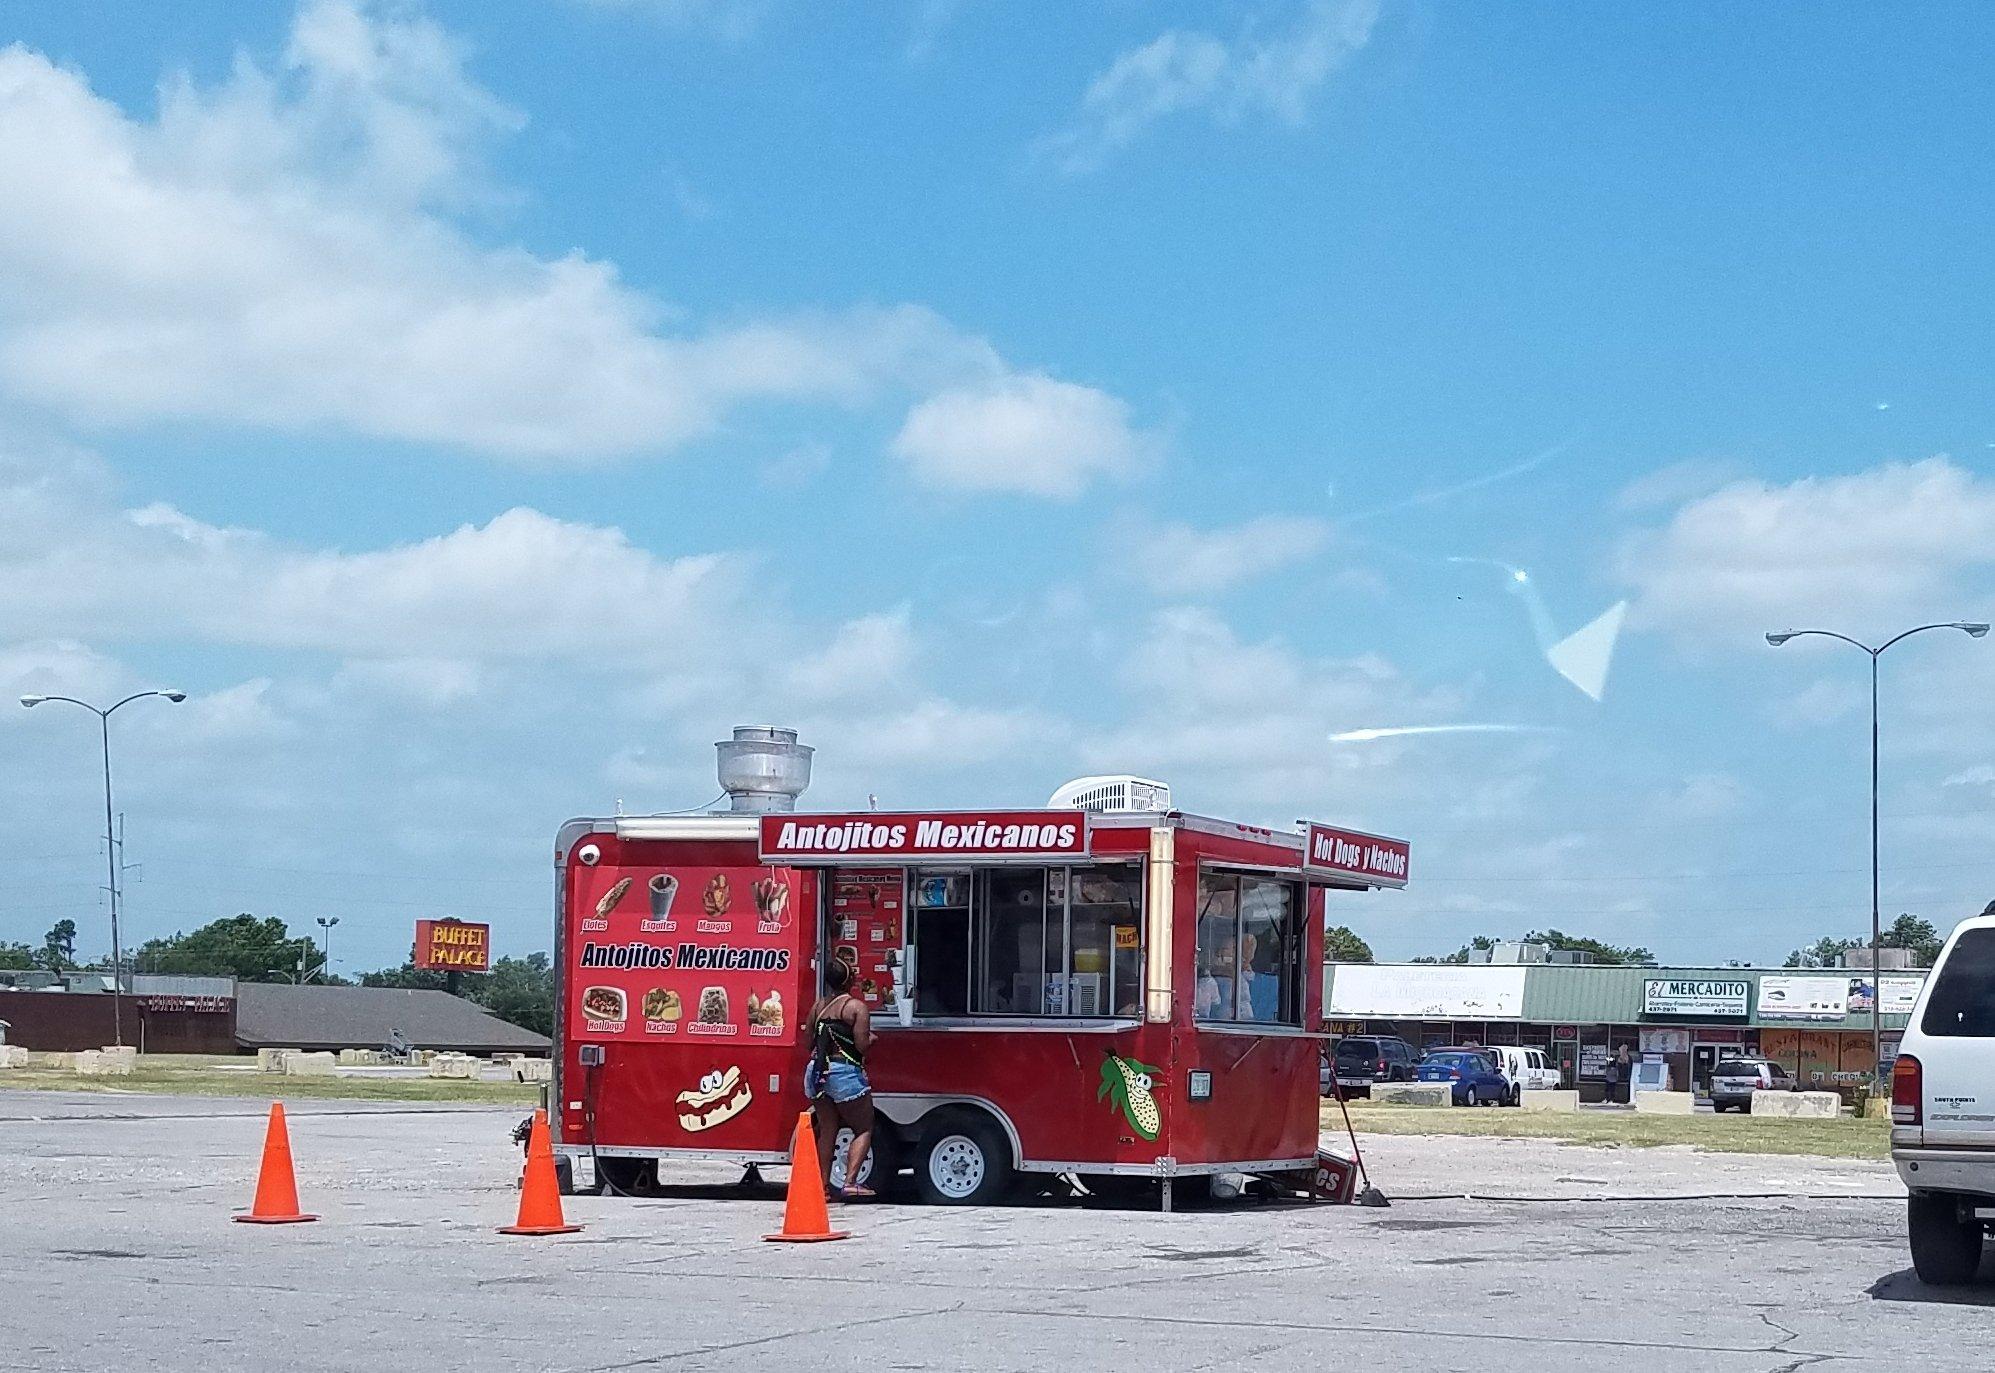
1250	937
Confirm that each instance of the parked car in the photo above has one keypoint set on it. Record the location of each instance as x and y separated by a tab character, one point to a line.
1476	1079
1361	1060
1734	1080
1529	1070
1943	1107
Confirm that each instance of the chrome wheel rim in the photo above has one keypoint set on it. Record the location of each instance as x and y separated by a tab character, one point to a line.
956	1166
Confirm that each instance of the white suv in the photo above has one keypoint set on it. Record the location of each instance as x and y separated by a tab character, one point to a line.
1943	1107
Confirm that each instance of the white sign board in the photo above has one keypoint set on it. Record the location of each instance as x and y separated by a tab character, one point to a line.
1444	991
1900	993
1803	998
1665	1041
1697	997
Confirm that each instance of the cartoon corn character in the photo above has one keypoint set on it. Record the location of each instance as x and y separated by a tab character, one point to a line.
1128	1083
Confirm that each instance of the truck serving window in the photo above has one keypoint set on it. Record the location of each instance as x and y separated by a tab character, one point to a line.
1028	941
1962	1002
1250	939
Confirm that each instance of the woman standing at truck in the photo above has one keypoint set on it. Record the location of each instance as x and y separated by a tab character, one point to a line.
841	1030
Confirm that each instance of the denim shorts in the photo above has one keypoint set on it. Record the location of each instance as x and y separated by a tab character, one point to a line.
845	1082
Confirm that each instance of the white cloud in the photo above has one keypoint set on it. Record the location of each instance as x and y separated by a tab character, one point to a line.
1235	723
1259	72
523	585
1027	434
1181	560
1677	483
279	250
1865	554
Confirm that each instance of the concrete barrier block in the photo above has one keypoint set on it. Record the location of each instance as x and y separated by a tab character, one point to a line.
97	1063
533	1070
1798	1105
272	1060
1877	1108
453	1065
311	1065
361	1058
1555	1099
13	1056
127	1052
1413	1094
1665	1103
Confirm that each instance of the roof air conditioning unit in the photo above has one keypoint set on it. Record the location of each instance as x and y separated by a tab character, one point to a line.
1112	793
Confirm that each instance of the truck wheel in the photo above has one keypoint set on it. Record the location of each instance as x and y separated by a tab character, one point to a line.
882	1163
1946	1250
963	1160
627	1177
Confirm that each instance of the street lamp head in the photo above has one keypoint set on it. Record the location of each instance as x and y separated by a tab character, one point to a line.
174	696
1778	639
1974	630
32	701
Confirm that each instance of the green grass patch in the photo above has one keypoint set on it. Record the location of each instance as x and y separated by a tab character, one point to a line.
206	1075
1846	1137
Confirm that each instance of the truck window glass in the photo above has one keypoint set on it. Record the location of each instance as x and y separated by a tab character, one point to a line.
1962	1001
1019	942
1250	937
941	930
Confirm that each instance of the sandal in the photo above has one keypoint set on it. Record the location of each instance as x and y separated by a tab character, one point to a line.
858	1193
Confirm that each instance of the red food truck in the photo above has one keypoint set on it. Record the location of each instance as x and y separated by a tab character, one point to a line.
1125	993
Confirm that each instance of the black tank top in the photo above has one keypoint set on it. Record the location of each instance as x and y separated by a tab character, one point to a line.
833	1040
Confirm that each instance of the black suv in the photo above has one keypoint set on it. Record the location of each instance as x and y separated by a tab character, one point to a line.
1361	1060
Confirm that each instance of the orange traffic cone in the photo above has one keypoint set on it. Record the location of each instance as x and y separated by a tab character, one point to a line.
540	1193
805	1219
276	1186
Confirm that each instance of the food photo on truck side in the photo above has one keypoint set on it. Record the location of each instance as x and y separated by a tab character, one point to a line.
1107	994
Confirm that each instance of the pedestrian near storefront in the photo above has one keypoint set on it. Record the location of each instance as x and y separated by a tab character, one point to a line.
1610	1077
1624	1073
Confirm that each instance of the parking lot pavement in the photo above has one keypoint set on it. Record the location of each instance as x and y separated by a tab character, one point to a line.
118	1249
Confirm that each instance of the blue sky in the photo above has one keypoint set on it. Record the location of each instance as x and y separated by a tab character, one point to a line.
480	408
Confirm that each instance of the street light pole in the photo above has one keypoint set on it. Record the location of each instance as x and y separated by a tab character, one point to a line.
1972	629
325	963
110	841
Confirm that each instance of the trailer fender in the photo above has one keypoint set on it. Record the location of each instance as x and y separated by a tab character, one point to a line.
907	1111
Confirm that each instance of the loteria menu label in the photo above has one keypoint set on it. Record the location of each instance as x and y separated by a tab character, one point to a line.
1381	862
953	835
660	952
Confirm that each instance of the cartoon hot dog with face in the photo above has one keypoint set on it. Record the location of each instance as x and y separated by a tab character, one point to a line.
722	1095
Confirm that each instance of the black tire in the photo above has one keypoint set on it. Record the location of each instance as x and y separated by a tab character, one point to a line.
629	1177
883	1163
1946	1250
1474	1098
1516	1097
963	1159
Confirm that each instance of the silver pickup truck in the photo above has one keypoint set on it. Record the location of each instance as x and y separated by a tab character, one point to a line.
1943	1107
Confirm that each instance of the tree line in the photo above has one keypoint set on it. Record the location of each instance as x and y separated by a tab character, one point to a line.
252	949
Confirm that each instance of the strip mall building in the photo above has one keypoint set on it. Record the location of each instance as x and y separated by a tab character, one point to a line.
1817	1023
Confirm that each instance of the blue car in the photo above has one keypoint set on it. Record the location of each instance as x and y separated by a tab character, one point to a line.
1473	1074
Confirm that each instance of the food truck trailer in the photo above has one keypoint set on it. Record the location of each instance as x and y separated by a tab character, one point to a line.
1066	991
